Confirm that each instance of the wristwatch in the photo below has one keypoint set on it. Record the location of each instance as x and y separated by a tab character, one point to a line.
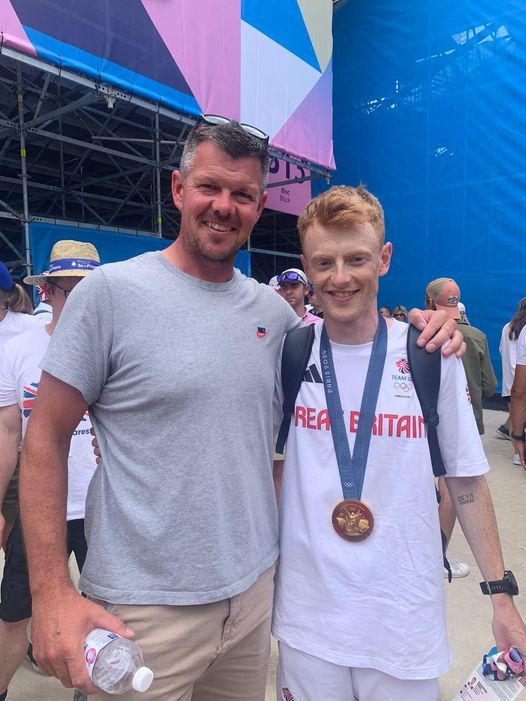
517	436
506	585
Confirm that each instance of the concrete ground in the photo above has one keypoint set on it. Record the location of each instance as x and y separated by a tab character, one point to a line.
469	613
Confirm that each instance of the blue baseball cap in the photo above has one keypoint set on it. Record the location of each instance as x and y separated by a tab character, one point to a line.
6	282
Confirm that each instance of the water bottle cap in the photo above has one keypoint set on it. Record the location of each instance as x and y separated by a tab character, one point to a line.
142	679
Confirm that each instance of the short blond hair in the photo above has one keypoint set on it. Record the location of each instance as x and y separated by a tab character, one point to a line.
343	207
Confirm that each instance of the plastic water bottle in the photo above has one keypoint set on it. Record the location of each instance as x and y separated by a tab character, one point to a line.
115	664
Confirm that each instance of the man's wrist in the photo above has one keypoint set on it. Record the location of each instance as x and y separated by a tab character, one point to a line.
52	590
502	602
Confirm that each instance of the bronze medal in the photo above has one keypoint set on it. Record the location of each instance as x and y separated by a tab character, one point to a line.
352	520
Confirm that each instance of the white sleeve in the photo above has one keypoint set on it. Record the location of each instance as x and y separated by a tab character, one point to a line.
502	340
7	380
458	436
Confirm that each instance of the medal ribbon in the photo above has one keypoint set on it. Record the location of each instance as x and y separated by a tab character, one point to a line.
352	468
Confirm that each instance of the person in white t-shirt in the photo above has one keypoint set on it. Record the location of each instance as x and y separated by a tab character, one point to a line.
43	311
518	399
508	351
365	620
15	307
15	318
294	287
20	372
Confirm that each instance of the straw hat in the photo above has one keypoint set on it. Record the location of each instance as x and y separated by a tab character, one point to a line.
68	259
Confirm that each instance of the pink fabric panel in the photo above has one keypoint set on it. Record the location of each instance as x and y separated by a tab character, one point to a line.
305	132
13	34
204	39
288	198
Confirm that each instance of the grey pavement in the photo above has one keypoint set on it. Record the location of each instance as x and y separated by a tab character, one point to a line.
469	613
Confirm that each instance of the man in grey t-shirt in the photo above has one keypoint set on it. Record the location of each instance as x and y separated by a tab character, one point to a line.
180	516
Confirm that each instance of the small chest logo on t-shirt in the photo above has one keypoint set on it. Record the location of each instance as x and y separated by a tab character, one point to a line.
402	380
286	695
261	332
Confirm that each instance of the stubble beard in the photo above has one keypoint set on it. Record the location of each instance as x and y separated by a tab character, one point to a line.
222	257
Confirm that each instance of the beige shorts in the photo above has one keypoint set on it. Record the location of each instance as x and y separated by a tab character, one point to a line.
208	652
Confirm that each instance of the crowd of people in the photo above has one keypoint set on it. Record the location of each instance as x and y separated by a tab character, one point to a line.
399	312
188	548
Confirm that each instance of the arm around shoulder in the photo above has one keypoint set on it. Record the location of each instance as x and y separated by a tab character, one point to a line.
437	328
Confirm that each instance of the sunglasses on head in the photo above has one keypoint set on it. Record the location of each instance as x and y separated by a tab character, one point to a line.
215	120
290	277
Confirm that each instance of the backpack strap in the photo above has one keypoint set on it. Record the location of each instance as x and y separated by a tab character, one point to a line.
294	358
425	371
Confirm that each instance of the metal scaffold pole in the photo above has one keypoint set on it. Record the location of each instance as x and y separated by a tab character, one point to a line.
23	164
158	177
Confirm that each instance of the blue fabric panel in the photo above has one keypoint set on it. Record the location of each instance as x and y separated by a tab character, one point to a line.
102	69
120	31
282	21
112	246
429	113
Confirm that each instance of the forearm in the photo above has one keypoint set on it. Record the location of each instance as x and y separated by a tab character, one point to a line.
477	518
476	515
43	496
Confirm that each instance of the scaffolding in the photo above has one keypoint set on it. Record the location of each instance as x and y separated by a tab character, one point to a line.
81	152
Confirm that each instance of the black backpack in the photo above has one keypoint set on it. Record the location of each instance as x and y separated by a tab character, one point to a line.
425	372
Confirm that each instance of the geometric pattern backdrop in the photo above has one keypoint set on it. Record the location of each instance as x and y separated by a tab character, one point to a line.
264	63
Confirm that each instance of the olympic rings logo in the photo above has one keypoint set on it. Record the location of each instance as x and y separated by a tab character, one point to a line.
404	386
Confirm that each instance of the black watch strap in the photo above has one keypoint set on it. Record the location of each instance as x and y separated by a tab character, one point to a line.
506	585
517	436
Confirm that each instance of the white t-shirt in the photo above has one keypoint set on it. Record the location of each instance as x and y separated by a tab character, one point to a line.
508	352
14	323
44	313
377	603
521	347
19	380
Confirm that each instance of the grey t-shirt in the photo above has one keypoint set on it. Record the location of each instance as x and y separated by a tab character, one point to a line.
182	508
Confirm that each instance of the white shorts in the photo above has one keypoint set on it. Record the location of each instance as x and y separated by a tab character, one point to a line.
302	677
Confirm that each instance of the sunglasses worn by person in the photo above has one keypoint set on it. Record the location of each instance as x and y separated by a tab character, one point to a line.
215	120
66	292
290	277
